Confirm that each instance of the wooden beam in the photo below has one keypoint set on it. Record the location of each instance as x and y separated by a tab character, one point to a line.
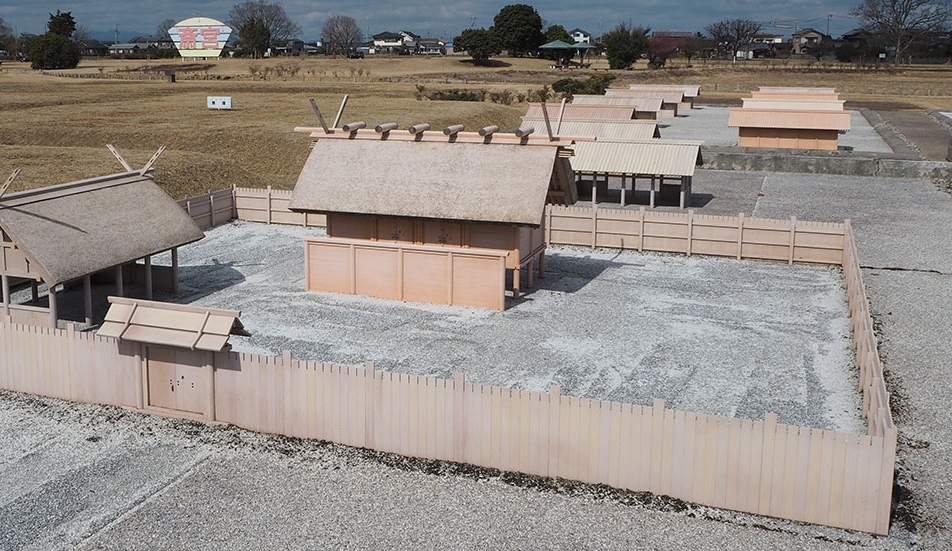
9	182
439	136
122	161
320	117
155	157
548	125
340	112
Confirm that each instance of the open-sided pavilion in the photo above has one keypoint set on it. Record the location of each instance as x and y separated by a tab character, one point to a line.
66	234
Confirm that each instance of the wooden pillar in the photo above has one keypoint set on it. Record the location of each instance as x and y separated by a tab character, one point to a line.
88	299
175	271
119	290
651	196
34	291
51	294
624	180
148	278
542	265
516	280
209	369
5	284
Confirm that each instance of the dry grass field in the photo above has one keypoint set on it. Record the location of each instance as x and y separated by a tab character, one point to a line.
55	128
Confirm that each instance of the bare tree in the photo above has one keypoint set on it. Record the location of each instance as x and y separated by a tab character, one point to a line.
903	22
733	34
340	34
81	34
162	31
279	25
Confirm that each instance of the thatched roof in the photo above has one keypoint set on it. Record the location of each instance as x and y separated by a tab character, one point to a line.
79	228
450	181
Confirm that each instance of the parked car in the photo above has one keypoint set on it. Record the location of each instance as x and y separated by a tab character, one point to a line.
356	55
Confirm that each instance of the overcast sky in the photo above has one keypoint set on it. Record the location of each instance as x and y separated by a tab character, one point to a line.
444	18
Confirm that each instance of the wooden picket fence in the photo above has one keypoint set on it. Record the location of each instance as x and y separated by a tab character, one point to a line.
739	237
758	466
761	467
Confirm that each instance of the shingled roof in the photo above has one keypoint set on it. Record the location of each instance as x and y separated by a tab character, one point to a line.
79	228
450	181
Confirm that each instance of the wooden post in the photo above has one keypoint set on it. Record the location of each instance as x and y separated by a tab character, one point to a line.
459	409
88	299
34	291
175	271
148	278
651	196
740	235
51	294
594	224
6	294
269	204
793	238
690	231
119	290
210	386
211	207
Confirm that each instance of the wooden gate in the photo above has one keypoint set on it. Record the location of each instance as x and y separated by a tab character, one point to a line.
177	379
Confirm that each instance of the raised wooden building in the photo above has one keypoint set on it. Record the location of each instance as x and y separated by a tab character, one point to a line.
429	221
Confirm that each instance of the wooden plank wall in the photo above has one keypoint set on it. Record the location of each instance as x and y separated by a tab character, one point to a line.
405	271
761	467
68	364
212	208
270	206
689	233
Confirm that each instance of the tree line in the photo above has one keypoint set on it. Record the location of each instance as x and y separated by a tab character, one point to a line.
517	29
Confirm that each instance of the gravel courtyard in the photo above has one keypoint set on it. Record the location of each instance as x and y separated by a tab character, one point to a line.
711	335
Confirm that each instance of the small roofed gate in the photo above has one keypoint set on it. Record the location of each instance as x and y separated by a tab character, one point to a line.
438	222
178	347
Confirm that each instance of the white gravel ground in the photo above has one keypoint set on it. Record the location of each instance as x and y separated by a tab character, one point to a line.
711	335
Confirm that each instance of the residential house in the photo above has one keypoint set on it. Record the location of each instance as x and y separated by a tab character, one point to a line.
807	41
431	46
158	42
91	47
403	42
124	49
578	35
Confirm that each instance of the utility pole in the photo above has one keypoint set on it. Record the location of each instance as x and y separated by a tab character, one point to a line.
117	34
829	18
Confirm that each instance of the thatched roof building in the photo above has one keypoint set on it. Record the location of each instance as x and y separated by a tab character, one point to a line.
66	232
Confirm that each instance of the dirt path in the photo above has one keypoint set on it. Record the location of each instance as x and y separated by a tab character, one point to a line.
931	138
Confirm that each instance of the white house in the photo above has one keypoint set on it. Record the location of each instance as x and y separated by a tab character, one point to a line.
578	35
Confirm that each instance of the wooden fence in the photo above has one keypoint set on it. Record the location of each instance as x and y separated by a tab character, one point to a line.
270	206
762	467
688	233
